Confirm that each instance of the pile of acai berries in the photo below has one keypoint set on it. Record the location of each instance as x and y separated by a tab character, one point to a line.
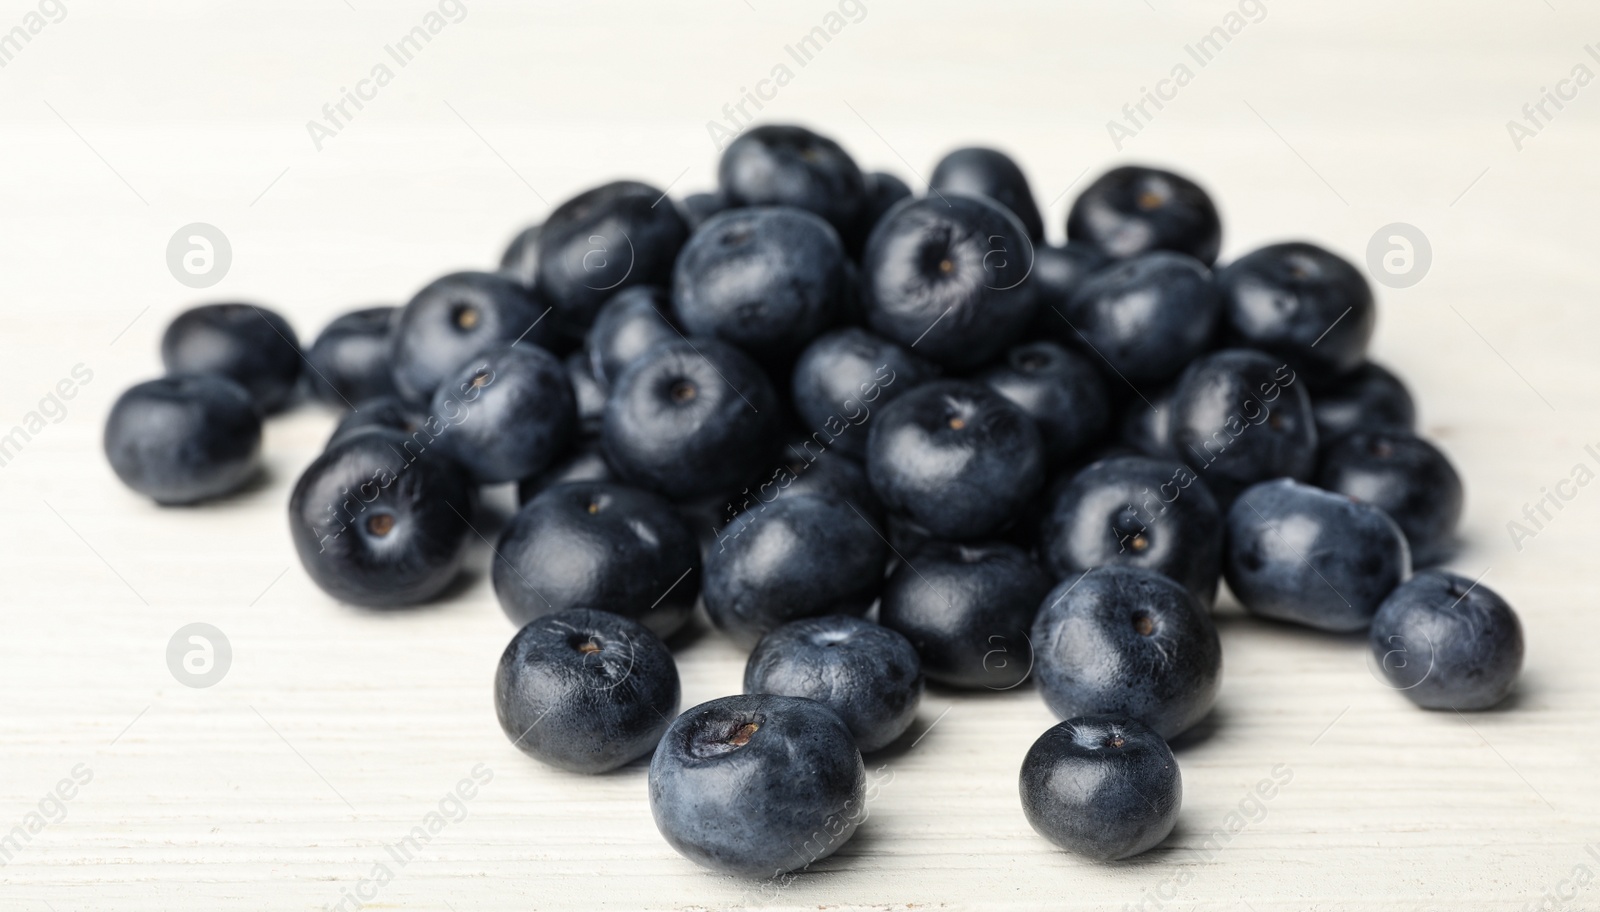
880	437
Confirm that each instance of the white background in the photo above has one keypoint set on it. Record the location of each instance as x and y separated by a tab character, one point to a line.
336	731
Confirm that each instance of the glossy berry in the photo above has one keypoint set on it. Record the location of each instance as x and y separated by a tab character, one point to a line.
1132	210
630	324
389	413
1368	397
598	545
767	279
602	241
1060	390
585	691
349	362
690	419
1131	641
457	318
948	278
757	785
1147	425
1059	270
967	609
1104	787
846	376
794	558
248	344
184	438
1405	476
775	165
1302	303
1304	555
584	462
588	393
1147	316
1134	511
1239	417
955	457
697	207
978	171
867	674
511	413
882	191
520	262
1447	642
1057	273
805	466
380	524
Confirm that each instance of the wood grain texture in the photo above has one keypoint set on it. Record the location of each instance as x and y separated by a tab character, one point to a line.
338	731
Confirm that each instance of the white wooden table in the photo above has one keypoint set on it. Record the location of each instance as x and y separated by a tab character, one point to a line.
336	731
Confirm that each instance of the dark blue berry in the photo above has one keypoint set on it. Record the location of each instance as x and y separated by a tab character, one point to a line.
1447	642
598	545
604	240
955	457
1060	390
1301	554
588	392
1305	304
248	344
349	363
1132	210
777	165
511	413
869	675
377	521
1147	316
457	318
977	171
797	557
1367	397
584	462
967	609
690	419
520	262
1104	787
767	279
757	785
184	438
882	190
1130	641
1239	417
1405	476
585	691
948	278
387	412
845	376
630	324
1135	511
